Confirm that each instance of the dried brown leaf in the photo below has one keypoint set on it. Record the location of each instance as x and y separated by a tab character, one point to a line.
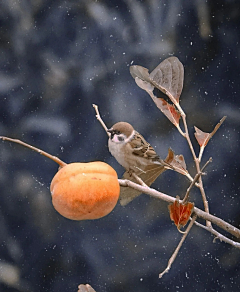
140	72
203	137
168	110
180	160
180	213
144	85
167	76
177	162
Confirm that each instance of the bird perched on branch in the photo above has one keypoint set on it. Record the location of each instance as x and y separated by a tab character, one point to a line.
136	155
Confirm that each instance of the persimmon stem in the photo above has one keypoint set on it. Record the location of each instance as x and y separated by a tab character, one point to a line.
54	158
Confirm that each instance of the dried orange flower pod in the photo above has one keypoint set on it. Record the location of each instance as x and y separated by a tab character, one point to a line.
82	191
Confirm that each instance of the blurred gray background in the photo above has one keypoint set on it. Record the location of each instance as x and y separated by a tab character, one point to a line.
59	57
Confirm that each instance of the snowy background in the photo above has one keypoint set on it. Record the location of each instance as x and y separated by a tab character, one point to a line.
57	58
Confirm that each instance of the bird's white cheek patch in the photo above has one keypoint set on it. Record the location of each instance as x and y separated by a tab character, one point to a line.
115	139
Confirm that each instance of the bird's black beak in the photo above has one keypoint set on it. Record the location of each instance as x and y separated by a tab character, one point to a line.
111	131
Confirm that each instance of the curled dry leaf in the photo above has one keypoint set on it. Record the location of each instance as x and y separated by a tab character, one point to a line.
177	162
203	137
167	76
180	213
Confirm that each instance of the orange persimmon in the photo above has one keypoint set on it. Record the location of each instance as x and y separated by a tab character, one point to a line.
82	191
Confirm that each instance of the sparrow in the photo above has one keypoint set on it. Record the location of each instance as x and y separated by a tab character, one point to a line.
135	154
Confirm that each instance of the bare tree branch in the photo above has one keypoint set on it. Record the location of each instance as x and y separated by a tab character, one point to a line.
219	235
195	180
201	214
54	158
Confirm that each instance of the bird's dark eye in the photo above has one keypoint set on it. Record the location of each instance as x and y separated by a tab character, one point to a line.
120	138
114	132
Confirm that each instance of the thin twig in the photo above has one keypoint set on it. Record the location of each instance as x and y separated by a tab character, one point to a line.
218	235
141	182
185	199
54	158
188	137
206	164
205	201
180	130
100	119
174	255
217	221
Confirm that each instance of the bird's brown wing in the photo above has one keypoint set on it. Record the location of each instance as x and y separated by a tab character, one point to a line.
142	148
149	175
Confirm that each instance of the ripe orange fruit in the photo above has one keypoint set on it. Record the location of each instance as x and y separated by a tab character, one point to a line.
82	191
